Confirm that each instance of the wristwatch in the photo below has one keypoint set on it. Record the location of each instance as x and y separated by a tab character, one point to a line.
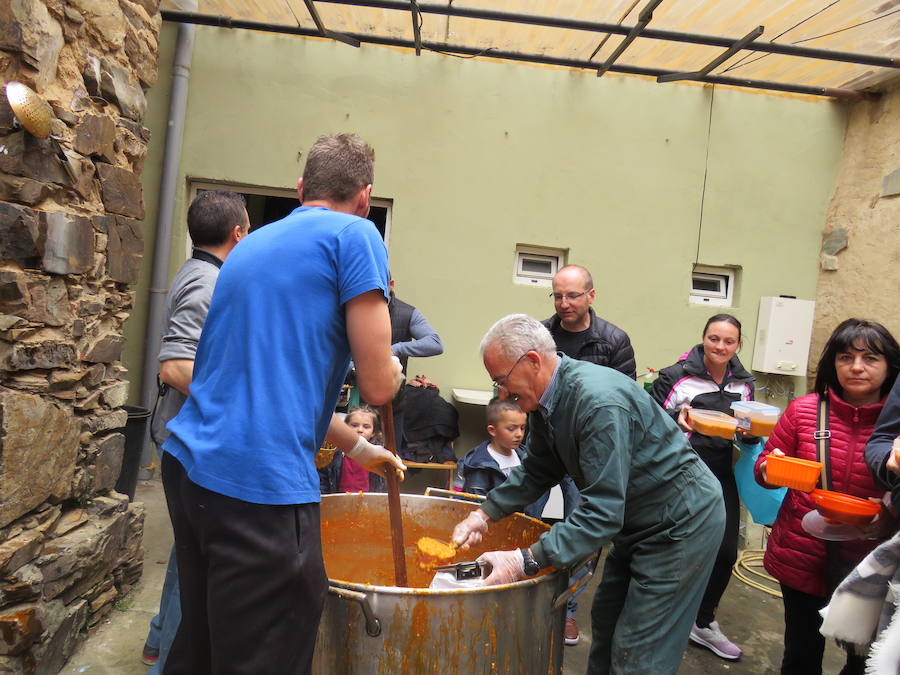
529	564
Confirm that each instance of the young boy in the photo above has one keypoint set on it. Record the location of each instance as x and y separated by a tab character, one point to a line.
488	465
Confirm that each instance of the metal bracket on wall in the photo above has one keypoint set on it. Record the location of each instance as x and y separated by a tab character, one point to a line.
417	31
719	60
340	37
643	19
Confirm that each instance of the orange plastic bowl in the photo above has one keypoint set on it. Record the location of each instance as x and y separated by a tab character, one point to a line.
792	472
845	508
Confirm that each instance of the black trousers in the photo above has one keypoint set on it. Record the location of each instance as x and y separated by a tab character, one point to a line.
804	645
253	583
720	464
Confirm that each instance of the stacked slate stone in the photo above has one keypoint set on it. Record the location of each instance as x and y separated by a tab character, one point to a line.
70	247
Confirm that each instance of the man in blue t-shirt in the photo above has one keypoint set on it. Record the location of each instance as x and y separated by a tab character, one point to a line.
291	304
217	220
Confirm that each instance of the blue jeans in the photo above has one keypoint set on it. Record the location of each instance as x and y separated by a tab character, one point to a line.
164	625
571	499
536	508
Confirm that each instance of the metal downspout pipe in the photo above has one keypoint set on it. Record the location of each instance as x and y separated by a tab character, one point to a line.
181	70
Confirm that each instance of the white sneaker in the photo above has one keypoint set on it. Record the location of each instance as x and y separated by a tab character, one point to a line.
571	633
715	641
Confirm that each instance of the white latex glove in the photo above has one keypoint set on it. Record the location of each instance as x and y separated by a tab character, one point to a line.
508	566
398	373
373	458
470	531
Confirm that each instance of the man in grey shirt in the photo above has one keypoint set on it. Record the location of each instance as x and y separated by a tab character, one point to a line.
217	221
411	336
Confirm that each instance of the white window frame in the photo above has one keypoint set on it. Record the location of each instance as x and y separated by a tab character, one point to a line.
554	256
723	297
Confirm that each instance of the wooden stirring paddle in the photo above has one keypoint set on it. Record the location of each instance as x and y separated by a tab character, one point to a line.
393	488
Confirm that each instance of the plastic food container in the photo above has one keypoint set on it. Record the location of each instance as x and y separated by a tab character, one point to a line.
794	473
712	422
845	508
757	418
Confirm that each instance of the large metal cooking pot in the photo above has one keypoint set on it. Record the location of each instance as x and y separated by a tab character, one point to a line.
371	626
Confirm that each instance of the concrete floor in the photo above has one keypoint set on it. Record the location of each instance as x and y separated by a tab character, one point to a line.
750	617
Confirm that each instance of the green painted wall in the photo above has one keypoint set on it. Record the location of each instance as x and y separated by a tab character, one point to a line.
478	156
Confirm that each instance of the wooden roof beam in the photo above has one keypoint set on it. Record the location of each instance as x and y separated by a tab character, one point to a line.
643	19
340	37
417	31
719	60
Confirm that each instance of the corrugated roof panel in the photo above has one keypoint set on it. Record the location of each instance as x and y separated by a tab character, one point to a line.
864	26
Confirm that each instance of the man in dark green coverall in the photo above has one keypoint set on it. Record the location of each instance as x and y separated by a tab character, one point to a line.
642	487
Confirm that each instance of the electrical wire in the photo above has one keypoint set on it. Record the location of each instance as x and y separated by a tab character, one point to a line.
486	50
609	35
291	10
784	32
447	23
841	30
815	37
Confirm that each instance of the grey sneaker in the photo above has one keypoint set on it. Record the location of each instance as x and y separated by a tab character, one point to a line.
714	640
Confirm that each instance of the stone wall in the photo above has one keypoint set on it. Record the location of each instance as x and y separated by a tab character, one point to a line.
860	261
70	247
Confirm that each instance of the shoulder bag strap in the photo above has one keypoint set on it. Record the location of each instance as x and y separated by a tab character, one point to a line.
823	442
837	565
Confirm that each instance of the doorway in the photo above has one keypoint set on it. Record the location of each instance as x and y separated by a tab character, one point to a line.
266	205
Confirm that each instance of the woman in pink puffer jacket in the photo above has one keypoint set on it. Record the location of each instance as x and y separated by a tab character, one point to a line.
857	369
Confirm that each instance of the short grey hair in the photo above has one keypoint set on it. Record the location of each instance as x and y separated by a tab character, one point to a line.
518	334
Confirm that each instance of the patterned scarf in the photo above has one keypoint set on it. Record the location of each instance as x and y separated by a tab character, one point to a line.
862	607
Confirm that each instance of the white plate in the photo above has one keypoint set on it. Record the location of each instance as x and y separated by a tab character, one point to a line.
817	526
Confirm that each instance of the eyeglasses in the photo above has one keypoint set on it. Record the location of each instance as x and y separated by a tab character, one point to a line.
496	380
570	297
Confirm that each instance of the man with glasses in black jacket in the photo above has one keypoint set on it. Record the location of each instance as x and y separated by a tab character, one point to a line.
579	333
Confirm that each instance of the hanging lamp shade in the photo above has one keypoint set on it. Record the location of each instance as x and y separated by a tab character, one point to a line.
32	111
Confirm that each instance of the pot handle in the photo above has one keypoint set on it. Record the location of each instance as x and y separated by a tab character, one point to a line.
452	494
589	564
373	623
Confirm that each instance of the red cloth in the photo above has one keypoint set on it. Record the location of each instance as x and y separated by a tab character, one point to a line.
353	478
793	556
